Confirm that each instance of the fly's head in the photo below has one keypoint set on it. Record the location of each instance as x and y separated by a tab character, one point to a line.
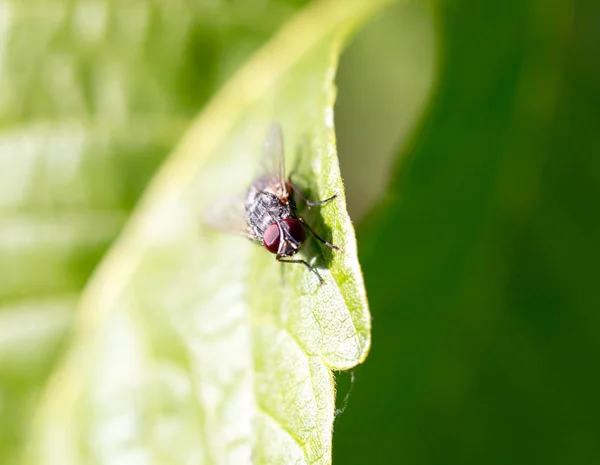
285	237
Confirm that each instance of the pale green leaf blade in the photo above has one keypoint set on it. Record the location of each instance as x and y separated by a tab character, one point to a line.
94	94
193	348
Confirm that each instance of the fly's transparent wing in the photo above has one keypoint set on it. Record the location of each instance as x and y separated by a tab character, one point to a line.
229	215
272	164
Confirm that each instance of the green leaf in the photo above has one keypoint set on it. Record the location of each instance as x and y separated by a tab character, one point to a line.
196	345
93	95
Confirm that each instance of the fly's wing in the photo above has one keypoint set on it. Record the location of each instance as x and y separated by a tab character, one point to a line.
272	164
229	215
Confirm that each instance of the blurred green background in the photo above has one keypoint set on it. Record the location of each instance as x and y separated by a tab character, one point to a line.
469	140
481	263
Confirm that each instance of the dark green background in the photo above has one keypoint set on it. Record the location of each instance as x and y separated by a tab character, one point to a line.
482	262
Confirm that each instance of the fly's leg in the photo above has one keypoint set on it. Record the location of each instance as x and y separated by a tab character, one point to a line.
309	203
306	264
317	237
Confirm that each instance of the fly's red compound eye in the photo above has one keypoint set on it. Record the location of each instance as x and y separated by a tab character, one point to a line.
271	238
295	229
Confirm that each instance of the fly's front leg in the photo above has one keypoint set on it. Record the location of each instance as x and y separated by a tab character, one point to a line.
281	259
317	237
309	203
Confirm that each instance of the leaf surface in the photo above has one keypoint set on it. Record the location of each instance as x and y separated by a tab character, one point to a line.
93	95
195	345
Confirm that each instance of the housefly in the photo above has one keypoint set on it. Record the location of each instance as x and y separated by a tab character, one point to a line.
266	213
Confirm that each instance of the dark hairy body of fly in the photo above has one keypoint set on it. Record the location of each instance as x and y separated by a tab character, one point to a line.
263	208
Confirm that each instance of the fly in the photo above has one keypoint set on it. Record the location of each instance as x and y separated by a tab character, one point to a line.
267	214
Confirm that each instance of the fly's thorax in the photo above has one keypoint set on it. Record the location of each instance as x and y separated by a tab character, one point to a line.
263	208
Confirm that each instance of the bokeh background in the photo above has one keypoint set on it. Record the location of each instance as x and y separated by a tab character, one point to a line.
469	141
